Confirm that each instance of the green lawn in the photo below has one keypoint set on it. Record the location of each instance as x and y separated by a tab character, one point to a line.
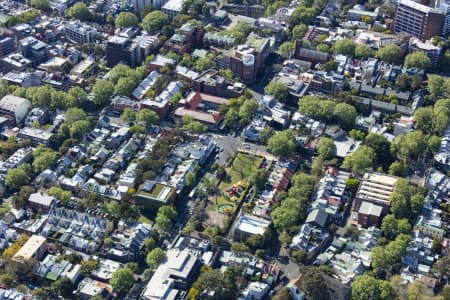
144	219
243	167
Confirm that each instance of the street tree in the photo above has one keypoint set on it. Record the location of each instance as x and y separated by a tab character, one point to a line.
317	108
43	5
128	115
302	15
17	177
410	145
74	114
278	90
265	134
43	158
124	86
366	287
299	31
79	128
313	284
77	97
122	279
282	143
398	168
155	257
248	110
381	146
103	91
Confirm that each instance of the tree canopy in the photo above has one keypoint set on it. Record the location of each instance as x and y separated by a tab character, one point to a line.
126	19
155	21
287	49
282	143
79	11
389	257
17	177
326	148
361	159
417	59
147	117
278	90
122	279
363	51
293	209
406	200
317	108
366	287
345	114
103	91
155	257
43	5
390	54
345	47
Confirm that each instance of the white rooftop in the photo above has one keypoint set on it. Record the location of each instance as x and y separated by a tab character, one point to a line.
252	225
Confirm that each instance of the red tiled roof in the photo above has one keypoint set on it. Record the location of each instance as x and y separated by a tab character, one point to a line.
214	118
195	98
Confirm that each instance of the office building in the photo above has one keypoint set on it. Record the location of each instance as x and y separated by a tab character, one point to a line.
210	82
7	44
172	276
444	6
139	5
173	8
120	49
434	52
79	32
246	60
35	50
419	20
14	62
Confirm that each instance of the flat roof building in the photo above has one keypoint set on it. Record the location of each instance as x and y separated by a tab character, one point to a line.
376	188
34	248
250	225
41	201
173	8
419	20
174	274
36	135
369	214
79	32
14	106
